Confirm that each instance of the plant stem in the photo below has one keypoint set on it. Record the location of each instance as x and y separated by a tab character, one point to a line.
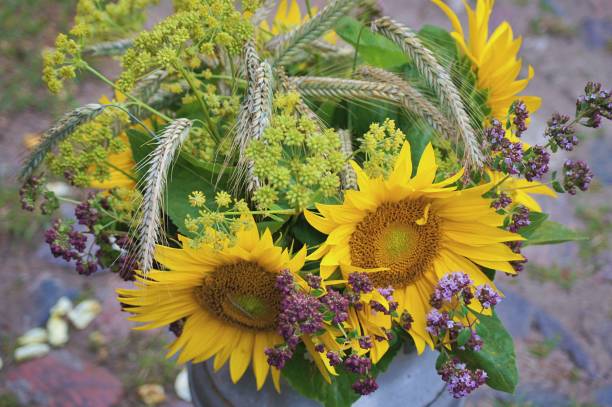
139	102
201	101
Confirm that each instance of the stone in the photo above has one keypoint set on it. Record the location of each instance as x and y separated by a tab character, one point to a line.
46	294
34	335
552	329
31	351
152	394
534	395
62	379
603	396
84	313
62	307
517	313
57	328
181	386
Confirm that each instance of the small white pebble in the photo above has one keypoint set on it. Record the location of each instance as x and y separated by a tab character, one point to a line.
181	386
33	350
34	335
84	313
57	328
62	307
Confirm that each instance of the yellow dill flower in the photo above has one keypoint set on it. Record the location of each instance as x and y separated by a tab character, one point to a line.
407	233
494	57
520	190
288	16
228	298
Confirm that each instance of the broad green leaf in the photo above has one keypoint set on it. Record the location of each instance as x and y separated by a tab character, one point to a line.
184	177
496	357
373	49
550	232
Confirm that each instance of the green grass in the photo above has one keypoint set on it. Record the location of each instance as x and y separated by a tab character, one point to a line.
564	277
27	27
597	224
542	350
16	224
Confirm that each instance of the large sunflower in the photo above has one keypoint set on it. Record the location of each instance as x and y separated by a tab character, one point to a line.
288	16
228	299
408	232
494	57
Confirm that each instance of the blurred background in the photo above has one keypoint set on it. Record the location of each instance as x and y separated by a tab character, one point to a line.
559	310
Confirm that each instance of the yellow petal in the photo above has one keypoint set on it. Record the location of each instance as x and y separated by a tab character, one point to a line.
241	356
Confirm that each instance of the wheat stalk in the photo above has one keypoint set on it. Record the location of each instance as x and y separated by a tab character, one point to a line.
109	48
263	12
323	86
412	99
292	43
64	128
437	78
155	179
348	178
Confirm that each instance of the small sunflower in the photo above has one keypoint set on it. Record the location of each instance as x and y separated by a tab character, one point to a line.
520	190
494	57
288	16
408	232
227	298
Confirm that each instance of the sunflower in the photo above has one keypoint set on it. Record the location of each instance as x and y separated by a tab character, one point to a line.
520	190
228	299
288	16
493	58
408	232
122	164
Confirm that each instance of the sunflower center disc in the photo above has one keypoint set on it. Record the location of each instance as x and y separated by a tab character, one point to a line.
242	294
390	237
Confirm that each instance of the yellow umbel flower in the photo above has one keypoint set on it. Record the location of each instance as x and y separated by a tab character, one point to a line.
227	297
520	190
408	232
494	57
288	16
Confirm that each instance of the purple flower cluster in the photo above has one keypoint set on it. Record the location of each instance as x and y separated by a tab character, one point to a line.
461	381
365	386
31	190
520	219
521	114
511	153
518	265
495	135
278	356
387	293
502	201
313	281
337	304
450	286
560	133
365	342
358	364
360	283
299	312
406	320
69	244
86	214
576	174
594	104
438	322
334	358
487	296
536	166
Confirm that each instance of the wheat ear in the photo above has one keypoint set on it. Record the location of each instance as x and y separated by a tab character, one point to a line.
62	129
348	178
292	43
413	100
110	48
437	78
263	12
155	179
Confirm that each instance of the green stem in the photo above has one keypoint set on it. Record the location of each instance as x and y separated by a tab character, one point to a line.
139	102
68	200
201	101
276	211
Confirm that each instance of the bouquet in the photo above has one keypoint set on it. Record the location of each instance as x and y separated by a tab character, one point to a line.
304	195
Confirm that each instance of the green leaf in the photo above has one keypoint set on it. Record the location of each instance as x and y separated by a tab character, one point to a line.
536	219
464	336
550	232
185	177
305	378
496	357
373	49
